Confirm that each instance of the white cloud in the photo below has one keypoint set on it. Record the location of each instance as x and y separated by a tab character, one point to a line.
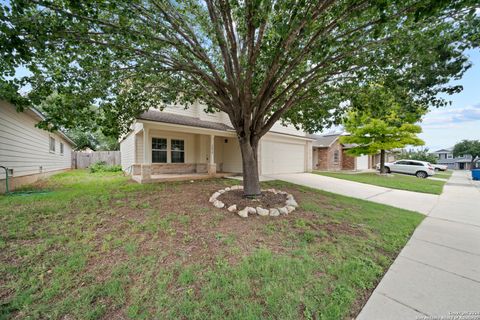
452	117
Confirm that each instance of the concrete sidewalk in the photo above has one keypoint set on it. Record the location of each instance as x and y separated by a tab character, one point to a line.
438	271
415	201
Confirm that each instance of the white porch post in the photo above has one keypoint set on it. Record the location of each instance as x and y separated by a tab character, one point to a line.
146	168
212	167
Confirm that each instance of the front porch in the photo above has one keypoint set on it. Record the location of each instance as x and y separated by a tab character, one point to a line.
155	172
166	152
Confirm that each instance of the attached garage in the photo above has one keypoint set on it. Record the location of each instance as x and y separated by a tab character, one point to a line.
362	162
283	156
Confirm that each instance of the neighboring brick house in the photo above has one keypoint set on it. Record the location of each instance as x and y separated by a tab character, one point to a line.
330	155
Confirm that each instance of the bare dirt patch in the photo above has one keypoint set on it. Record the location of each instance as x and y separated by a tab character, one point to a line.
266	200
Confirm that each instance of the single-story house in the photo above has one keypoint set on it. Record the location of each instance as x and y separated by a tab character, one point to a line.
445	157
28	152
330	155
195	144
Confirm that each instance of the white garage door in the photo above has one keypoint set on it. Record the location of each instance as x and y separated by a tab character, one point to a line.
362	162
280	157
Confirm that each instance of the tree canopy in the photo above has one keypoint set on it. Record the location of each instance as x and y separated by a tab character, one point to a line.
468	147
257	61
381	119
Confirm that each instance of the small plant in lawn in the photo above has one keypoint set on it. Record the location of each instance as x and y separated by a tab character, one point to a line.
102	166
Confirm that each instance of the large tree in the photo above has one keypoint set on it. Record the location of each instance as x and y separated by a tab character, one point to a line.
259	61
468	147
382	118
372	136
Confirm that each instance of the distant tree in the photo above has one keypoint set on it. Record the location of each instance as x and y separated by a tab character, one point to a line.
471	147
421	154
382	118
94	140
87	131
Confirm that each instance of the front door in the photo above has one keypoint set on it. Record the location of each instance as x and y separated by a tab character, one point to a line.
461	166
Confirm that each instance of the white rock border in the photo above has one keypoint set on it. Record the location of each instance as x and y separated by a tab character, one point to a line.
290	204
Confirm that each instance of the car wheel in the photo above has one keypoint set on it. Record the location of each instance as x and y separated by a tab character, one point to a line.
436	169
421	174
387	170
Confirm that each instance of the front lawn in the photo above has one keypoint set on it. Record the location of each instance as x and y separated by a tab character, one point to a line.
394	181
443	174
100	246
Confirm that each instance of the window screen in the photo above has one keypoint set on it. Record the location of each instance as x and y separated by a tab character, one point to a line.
336	156
159	150
52	144
178	151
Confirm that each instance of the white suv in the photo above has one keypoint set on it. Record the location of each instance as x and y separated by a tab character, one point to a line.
421	169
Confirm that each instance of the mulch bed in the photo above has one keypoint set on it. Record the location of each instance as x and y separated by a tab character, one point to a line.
267	200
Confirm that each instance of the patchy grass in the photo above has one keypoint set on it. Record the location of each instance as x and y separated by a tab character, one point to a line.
443	174
100	246
394	181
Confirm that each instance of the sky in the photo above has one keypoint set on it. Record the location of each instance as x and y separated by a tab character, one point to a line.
443	127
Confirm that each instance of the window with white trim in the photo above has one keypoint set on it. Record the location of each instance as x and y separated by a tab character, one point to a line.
336	156
177	151
61	148
449	156
159	150
52	145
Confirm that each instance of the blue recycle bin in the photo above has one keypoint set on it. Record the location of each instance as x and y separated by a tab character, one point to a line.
476	174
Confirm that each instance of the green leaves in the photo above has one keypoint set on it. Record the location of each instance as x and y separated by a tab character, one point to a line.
467	147
257	60
381	118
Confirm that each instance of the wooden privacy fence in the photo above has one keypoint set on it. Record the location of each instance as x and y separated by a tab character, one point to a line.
82	160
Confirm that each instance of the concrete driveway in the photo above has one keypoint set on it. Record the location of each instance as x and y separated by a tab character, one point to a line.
437	274
420	202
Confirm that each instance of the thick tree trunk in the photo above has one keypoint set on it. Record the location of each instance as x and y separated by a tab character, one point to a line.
382	161
251	181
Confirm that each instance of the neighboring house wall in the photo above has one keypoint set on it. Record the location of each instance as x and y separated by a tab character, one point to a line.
348	162
127	155
445	157
26	148
330	158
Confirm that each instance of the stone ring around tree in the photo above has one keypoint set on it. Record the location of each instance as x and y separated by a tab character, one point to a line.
287	205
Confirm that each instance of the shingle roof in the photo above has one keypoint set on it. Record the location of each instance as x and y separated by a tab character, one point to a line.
323	141
444	150
166	117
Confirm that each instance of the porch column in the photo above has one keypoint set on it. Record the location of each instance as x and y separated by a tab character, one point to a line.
212	167
145	145
145	168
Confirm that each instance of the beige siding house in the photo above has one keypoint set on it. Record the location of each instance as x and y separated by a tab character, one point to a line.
178	141
28	152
